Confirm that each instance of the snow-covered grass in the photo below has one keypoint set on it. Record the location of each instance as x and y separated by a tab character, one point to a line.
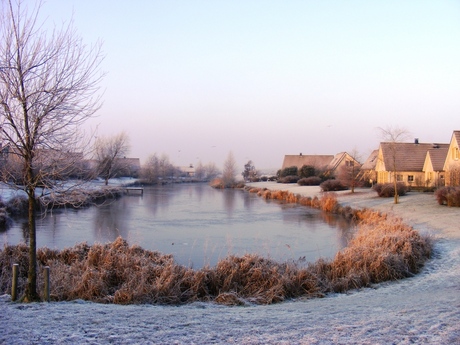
424	309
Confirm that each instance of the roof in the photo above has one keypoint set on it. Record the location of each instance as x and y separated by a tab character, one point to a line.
408	156
371	161
187	169
336	160
456	135
438	157
317	161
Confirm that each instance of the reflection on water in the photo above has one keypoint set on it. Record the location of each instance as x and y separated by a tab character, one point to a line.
197	224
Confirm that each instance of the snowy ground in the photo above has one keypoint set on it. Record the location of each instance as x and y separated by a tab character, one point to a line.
424	309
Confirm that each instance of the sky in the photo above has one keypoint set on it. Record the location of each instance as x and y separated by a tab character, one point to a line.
196	80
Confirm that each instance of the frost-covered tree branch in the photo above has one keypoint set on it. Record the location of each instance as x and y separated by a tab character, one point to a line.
49	83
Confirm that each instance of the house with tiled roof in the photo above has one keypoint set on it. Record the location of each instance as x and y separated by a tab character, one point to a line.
434	165
367	172
407	161
452	161
326	163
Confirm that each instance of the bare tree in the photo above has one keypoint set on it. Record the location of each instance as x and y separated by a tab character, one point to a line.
211	171
158	168
230	170
393	136
109	152
48	86
150	171
200	172
206	172
249	171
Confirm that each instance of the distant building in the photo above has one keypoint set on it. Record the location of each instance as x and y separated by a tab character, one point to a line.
368	173
329	164
188	171
128	167
408	161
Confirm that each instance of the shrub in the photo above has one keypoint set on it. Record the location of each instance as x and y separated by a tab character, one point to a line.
307	171
289	179
332	186
387	190
449	196
17	206
5	220
288	171
310	181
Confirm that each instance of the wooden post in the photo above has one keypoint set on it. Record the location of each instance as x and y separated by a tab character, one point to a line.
14	285
47	283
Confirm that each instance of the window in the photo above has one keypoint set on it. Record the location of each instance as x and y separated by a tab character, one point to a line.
410	178
455	153
399	178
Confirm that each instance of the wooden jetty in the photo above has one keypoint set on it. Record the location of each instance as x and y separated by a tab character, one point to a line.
134	190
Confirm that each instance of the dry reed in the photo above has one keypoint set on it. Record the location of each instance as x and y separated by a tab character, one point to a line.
383	249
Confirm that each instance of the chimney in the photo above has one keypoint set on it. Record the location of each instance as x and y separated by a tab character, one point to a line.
416	141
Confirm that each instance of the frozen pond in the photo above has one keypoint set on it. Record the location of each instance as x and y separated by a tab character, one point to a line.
197	224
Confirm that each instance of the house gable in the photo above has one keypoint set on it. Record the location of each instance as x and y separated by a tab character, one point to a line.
453	155
371	161
452	162
433	166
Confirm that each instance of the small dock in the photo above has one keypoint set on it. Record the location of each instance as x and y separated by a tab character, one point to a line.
134	191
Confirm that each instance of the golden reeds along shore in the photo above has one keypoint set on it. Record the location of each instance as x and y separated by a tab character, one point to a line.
383	249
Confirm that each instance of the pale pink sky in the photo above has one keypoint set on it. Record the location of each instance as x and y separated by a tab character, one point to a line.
197	79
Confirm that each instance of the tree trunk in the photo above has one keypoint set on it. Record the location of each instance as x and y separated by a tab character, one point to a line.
396	190
31	294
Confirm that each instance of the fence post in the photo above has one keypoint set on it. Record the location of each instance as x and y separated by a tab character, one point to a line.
14	285
47	283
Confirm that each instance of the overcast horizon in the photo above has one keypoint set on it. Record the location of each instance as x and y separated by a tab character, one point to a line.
197	79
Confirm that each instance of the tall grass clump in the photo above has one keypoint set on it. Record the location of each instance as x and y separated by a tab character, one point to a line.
383	249
80	198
